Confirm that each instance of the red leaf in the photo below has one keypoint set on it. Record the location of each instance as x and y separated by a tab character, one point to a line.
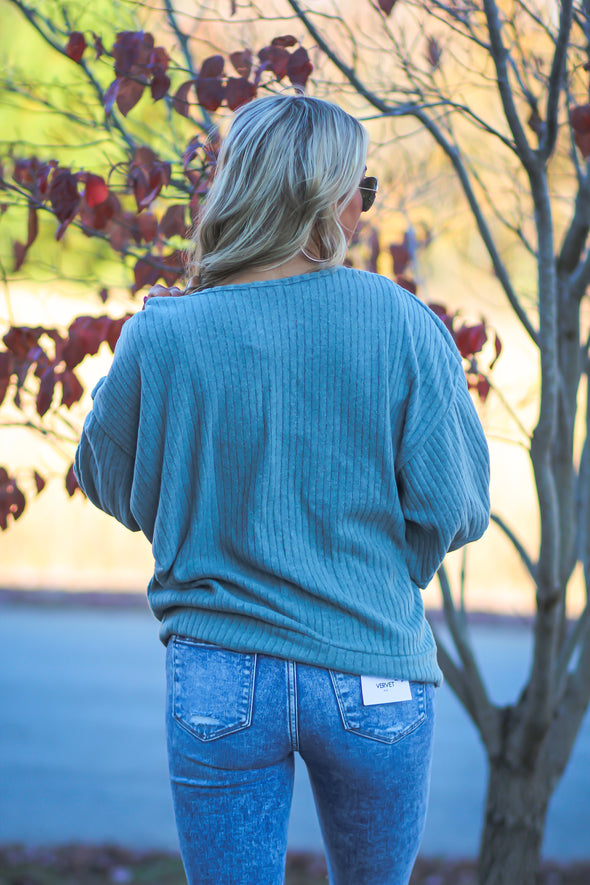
128	94
299	67
63	195
114	330
285	41
145	274
482	385
85	335
210	92
20	253
470	339
406	283
174	267
239	91
160	84
180	101
75	46
39	482
20	340
172	222
12	500
582	140
6	371
159	58
147	224
386	5
212	67
6	365
131	49
497	349
433	53
242	62
45	394
147	176
98	217
71	483
580	118
277	58
96	191
72	390
401	257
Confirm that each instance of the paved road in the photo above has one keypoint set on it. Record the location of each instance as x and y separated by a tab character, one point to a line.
82	753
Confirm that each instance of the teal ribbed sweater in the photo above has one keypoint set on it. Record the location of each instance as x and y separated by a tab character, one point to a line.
301	453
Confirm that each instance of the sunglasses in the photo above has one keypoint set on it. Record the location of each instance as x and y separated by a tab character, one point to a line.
368	189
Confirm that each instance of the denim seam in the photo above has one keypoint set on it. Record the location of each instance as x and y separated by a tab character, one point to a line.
292	696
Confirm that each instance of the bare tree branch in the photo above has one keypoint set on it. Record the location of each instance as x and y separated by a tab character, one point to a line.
479	706
556	79
517	544
411	109
500	56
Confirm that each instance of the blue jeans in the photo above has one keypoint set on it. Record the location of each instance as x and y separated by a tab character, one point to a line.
234	722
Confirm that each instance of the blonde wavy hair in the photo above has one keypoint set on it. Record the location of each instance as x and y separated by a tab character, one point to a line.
286	167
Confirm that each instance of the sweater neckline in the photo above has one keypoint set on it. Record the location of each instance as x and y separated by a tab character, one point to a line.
272	283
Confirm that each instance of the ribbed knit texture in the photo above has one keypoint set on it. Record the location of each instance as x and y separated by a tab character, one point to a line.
301	453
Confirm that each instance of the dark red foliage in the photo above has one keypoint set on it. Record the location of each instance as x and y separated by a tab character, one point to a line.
6	371
299	67
180	101
98	216
39	482
433	53
63	195
75	46
71	483
45	393
386	5
128	91
86	334
96	190
130	50
239	91
147	176
401	256
147	225
285	41
160	84
137	64
172	222
72	390
145	273
12	500
276	58
470	339
210	92
212	67
242	62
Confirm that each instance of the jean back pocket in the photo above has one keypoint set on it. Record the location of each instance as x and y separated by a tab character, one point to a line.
213	688
387	723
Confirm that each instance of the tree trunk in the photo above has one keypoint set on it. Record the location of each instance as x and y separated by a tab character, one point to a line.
516	808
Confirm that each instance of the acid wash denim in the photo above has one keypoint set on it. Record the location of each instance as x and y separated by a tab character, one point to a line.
234	722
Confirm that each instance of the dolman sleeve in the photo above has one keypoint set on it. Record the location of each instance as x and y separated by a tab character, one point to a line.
443	469
105	458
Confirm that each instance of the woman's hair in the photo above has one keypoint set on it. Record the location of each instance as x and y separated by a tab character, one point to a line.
287	165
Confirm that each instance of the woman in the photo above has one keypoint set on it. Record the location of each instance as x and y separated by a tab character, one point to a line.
296	440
